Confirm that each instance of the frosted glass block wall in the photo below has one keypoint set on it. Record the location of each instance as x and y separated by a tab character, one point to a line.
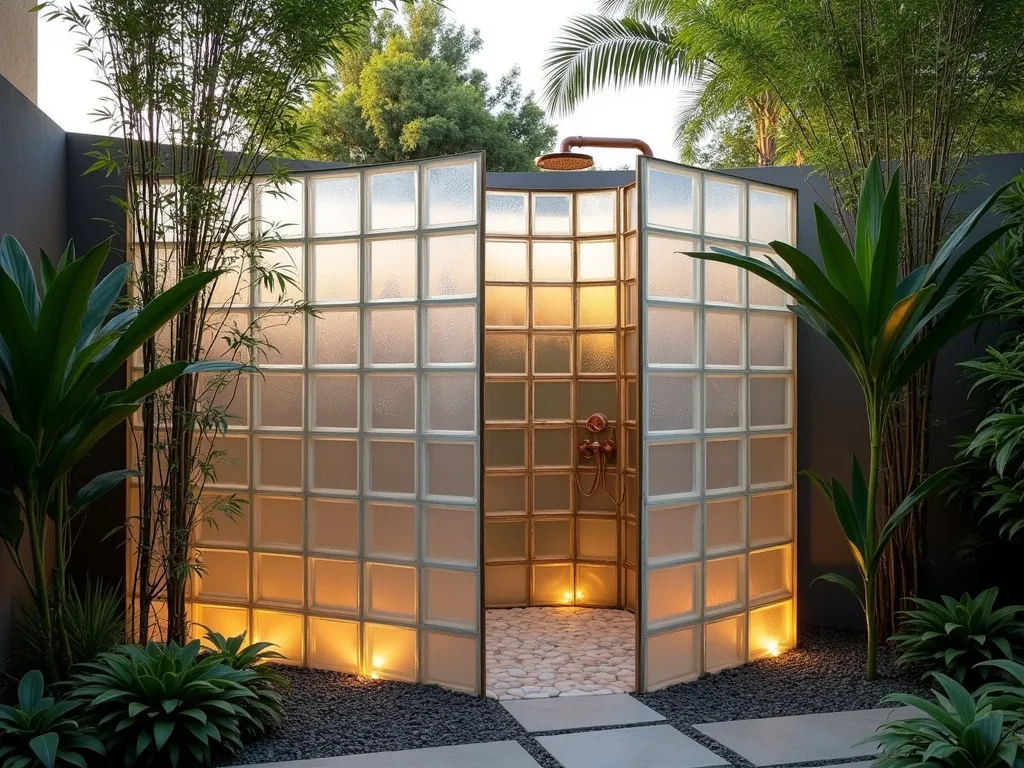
717	394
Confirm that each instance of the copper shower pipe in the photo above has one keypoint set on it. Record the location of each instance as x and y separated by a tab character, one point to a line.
605	141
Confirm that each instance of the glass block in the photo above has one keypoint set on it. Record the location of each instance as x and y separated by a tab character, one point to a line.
451	470
506	585
598	502
336	205
724	398
597	397
771	573
597	353
284	630
595	306
391	335
769	401
505	540
671	200
281	208
335	402
391	401
335	464
391	270
672	594
220	337
390	591
723	339
506	213
671	336
772	630
552	585
771	214
724	212
506	261
597	585
451	335
280	275
770	461
451	265
505	494
450	661
449	598
629	269
763	293
231	288
723	283
230	460
552	262
279	462
724	643
671	274
334	644
336	337
505	306
551	400
552	447
629	304
771	518
277	522
673	533
723	465
450	535
504	448
552	539
279	580
226	393
282	339
671	402
552	354
229	622
595	260
724	584
725	525
224	575
770	340
630	579
334	585
598	539
629	546
389	652
393	200
505	353
671	468
336	271
450	402
225	520
392	466
280	400
333	526
552	214
631	208
552	494
451	194
505	401
595	212
552	307
672	657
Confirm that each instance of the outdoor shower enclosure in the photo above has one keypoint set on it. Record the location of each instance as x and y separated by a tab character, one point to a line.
410	451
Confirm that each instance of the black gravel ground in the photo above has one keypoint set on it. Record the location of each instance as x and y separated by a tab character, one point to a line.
330	714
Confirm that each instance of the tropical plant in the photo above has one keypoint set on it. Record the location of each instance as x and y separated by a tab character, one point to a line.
954	636
43	733
269	685
886	329
60	341
161	705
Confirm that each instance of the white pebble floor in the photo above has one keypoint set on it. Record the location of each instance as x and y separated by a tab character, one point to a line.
538	653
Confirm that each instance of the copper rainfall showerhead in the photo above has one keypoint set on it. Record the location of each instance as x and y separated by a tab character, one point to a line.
566	160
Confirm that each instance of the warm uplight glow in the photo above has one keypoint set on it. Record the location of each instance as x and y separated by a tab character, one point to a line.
772	646
374	676
567	597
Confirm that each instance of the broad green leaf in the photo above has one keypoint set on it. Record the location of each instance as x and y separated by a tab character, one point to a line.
102	301
46	271
16	264
98	487
44	747
844	582
30	689
956	239
928	486
885	264
839	261
899	318
869	215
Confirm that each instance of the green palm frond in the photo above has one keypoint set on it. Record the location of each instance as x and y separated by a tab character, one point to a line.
643	10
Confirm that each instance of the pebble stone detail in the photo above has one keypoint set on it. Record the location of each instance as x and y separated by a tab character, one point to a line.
539	653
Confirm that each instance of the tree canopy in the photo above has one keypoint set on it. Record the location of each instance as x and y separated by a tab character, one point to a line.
408	91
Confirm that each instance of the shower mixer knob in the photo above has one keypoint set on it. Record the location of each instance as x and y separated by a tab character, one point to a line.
589	449
608	448
597	422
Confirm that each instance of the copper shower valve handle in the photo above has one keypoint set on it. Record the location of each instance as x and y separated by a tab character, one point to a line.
608	448
589	449
597	422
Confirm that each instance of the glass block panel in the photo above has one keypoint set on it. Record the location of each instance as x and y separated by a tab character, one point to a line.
672	594
599	502
282	264
552	262
277	522
334	585
505	306
451	265
552	354
506	585
450	535
393	200
282	335
391	269
772	630
631	208
595	212
504	448
552	447
451	335
552	214
770	461
723	464
763	293
392	401
724	398
505	353
392	466
597	353
595	260
597	397
390	652
224	524
220	337
670	468
284	630
597	539
506	213
552	494
671	402
506	261
505	494
724	643
392	336
229	622
552	584
389	530
505	540
724	212
771	573
451	194
335	465
334	644
231	461
450	661
335	402
450	470
596	306
770	340
281	209
671	199
336	271
597	585
769	401
671	336
552	539
770	214
771	518
280	400
279	580
673	533
225	575
232	288
336	205
723	283
672	657
390	591
505	401
227	393
631	259
725	525
336	337
279	462
333	526
552	307
671	274
450	402
724	584
449	598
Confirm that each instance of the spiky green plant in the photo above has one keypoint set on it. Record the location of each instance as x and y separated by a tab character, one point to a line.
269	685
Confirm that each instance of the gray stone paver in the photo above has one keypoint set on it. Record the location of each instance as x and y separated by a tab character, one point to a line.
650	746
495	754
573	713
